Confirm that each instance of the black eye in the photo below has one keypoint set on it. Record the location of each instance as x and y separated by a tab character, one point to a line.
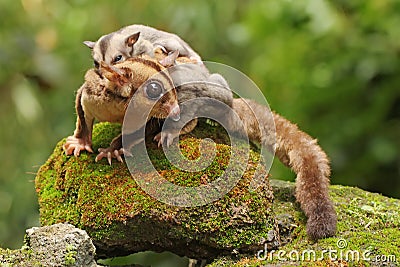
154	90
96	64
117	59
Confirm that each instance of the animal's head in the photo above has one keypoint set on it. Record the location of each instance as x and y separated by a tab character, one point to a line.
115	47
147	83
112	48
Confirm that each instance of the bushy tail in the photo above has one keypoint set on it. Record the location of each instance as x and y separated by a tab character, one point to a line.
303	155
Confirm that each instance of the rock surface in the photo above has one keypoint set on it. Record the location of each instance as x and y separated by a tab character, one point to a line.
55	245
368	232
368	222
122	219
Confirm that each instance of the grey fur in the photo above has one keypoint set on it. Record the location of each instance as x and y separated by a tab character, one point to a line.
111	45
199	94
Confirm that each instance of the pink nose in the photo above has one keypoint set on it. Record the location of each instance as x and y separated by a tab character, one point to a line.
175	113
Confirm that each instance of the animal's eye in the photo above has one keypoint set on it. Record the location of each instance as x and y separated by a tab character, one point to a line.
117	59
96	64
154	90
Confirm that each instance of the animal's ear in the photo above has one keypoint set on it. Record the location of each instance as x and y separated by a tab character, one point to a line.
89	44
131	40
170	59
113	74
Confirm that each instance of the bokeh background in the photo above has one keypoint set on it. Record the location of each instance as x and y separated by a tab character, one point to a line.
333	67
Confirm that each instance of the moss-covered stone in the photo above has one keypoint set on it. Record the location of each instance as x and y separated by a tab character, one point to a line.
19	257
122	219
368	232
55	245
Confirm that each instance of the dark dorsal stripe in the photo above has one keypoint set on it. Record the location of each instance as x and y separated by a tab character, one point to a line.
104	44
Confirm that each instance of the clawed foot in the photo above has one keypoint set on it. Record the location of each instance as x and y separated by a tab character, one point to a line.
76	145
166	137
111	153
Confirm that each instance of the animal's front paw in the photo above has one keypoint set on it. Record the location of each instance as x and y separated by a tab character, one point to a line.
111	153
76	145
322	224
166	137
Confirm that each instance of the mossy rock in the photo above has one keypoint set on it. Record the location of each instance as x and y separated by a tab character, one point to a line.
122	219
55	245
368	232
20	257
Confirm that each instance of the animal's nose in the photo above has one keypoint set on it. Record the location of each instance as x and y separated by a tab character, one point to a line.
175	113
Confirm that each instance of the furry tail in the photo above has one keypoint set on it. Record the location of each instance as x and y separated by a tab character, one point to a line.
303	155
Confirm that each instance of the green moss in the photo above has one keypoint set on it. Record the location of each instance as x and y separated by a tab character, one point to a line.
20	257
102	199
367	223
70	255
102	137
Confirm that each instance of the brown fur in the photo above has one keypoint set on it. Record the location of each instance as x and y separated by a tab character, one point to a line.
105	98
303	155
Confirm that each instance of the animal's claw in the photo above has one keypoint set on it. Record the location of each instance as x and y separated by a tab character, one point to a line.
74	145
111	153
165	137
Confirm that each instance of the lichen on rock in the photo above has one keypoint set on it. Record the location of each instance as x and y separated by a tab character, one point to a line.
122	219
55	245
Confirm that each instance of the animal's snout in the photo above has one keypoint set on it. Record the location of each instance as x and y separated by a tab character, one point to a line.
175	113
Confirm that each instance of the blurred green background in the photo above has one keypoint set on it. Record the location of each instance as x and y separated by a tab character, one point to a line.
331	67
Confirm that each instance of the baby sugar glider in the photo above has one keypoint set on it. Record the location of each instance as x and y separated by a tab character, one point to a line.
136	40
